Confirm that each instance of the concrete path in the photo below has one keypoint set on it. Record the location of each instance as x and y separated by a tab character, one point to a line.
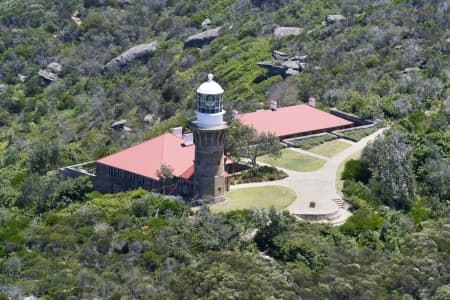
318	186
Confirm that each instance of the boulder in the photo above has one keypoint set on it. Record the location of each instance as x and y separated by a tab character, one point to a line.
206	23
281	32
290	64
118	125
136	52
279	55
22	77
120	246
47	75
297	58
412	69
54	67
151	119
290	72
202	38
273	68
3	88
330	19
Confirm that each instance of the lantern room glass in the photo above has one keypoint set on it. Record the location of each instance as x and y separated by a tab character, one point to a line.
209	104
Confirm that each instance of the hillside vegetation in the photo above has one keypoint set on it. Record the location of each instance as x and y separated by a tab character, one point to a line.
387	60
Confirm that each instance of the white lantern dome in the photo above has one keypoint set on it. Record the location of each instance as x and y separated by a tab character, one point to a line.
209	109
210	87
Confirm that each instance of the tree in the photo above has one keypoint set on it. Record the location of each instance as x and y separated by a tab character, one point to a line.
165	175
245	142
389	161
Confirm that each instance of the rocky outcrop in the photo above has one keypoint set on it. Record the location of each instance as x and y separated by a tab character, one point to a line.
47	75
3	88
206	23
136	52
330	19
54	67
279	55
200	39
283	64
281	32
274	68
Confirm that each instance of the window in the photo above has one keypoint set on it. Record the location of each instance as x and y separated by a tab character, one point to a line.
209	104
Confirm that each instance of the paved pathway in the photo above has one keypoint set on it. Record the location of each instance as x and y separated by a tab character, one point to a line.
317	186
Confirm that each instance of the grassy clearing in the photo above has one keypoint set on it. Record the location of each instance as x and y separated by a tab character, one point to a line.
314	141
259	197
356	135
340	169
260	174
330	149
295	161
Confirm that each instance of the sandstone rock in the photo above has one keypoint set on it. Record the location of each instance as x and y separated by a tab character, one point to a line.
273	68
118	125
291	64
151	119
413	69
281	32
132	54
279	54
120	246
206	23
297	58
3	88
330	19
54	67
202	38
22	78
290	72
47	75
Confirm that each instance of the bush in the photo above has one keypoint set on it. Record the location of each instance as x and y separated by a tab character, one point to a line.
356	170
151	260
362	221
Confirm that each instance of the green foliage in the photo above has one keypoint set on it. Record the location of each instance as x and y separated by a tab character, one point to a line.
356	170
64	243
356	135
362	221
259	174
388	159
244	142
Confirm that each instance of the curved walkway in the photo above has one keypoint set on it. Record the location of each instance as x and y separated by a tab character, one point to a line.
318	186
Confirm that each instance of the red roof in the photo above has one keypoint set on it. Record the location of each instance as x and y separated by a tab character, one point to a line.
145	159
292	120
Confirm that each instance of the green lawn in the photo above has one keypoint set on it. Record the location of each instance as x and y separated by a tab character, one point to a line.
356	135
260	197
295	161
330	148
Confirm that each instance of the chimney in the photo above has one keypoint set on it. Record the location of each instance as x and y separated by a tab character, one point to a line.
178	131
235	113
312	102
273	105
188	139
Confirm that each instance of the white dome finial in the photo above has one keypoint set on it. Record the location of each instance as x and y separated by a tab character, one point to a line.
210	77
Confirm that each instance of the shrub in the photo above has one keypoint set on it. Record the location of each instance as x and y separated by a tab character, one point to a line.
362	221
356	170
151	260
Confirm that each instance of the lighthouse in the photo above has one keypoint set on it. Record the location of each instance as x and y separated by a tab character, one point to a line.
209	132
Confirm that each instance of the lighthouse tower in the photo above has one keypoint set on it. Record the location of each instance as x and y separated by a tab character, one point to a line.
209	131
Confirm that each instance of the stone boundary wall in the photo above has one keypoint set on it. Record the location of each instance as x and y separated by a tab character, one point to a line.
289	141
339	134
357	121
